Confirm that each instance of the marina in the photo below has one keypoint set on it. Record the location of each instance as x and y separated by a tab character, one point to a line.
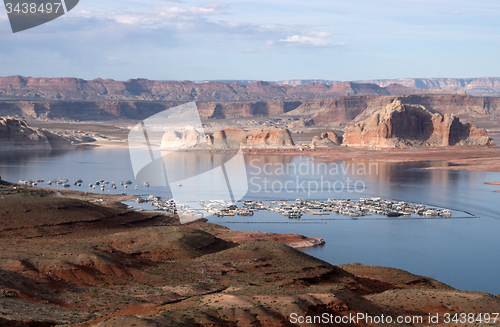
353	209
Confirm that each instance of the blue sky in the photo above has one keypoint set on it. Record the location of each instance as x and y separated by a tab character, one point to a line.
259	40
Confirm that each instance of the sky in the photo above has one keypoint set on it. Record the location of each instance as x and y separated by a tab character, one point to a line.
344	40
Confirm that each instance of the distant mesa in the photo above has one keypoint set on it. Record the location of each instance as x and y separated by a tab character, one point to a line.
403	125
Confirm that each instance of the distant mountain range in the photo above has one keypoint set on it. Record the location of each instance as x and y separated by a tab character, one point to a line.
75	89
294	82
482	86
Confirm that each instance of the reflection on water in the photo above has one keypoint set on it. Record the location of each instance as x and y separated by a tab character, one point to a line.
186	164
459	252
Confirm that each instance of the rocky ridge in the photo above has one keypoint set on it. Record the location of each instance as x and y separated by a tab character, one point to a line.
401	125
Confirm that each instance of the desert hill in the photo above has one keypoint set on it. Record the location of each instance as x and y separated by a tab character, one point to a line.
68	260
401	125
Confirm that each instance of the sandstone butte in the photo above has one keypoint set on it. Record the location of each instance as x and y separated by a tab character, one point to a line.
403	125
228	138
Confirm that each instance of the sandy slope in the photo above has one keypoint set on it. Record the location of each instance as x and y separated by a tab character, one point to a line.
68	260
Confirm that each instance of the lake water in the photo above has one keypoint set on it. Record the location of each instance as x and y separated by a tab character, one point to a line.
461	252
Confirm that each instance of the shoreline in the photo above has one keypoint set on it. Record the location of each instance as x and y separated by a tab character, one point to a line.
472	158
478	158
475	158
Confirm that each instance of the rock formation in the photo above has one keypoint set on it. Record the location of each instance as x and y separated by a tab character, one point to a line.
16	134
401	125
218	140
175	140
325	140
277	137
171	140
228	138
191	137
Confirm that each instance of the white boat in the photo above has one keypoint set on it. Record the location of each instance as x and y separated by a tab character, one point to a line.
431	213
445	213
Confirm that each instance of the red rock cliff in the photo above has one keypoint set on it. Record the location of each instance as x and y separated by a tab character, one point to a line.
400	125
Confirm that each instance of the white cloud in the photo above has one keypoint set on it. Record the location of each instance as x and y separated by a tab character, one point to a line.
305	40
203	20
318	34
164	16
219	5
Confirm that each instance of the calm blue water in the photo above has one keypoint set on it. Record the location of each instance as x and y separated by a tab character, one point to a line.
460	252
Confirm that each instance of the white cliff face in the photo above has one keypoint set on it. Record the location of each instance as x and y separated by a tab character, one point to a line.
171	140
175	140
